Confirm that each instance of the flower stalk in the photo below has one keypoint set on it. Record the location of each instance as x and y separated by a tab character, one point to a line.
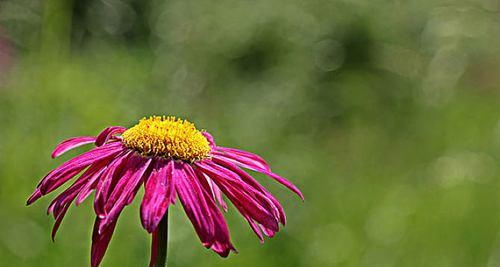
162	242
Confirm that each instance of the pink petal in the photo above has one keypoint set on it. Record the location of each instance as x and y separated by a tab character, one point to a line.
212	189
218	194
158	194
69	169
221	241
89	186
59	219
107	180
255	228
108	133
195	205
154	244
100	242
251	181
245	156
267	232
125	188
253	167
246	199
209	138
71	143
60	205
34	197
72	167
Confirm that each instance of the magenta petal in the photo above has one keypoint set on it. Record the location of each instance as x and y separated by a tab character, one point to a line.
246	199
107	180
90	185
100	242
71	143
59	219
107	133
125	188
34	197
72	167
274	176
267	232
244	161
195	205
218	194
251	181
222	244
245	156
66	197
68	170
212	189
255	228
154	243
61	203
209	138
158	194
221	241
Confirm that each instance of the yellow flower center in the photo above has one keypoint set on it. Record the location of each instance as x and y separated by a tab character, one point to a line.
167	137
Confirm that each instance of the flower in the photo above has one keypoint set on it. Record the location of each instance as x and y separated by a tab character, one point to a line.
171	158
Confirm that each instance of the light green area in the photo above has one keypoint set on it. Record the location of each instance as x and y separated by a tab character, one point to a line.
385	113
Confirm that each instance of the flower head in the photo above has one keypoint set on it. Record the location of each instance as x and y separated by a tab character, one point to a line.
167	137
172	159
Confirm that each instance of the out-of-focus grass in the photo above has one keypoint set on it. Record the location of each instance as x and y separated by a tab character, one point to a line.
385	114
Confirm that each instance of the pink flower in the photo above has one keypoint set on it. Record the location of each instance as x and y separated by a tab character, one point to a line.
171	158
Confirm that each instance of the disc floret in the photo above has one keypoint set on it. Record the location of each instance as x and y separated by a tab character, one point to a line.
169	137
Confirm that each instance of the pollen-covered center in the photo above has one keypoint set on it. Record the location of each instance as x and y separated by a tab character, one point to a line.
167	137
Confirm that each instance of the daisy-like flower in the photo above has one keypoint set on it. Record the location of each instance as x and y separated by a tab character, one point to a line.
171	158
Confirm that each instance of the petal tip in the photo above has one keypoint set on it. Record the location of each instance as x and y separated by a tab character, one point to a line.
34	197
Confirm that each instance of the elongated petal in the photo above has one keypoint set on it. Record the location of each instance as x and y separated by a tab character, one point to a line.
69	169
100	242
267	232
255	227
59	219
72	167
245	156
251	181
66	197
61	203
209	138
89	186
217	194
154	242
71	143
107	133
75	189
243	160
195	205
34	197
257	194
272	175
158	194
246	199
125	188
221	241
212	189
108	179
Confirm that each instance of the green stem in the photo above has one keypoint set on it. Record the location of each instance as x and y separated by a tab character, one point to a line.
162	243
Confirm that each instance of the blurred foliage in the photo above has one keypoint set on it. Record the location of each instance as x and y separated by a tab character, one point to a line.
385	113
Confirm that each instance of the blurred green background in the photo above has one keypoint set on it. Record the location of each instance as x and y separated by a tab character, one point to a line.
385	113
